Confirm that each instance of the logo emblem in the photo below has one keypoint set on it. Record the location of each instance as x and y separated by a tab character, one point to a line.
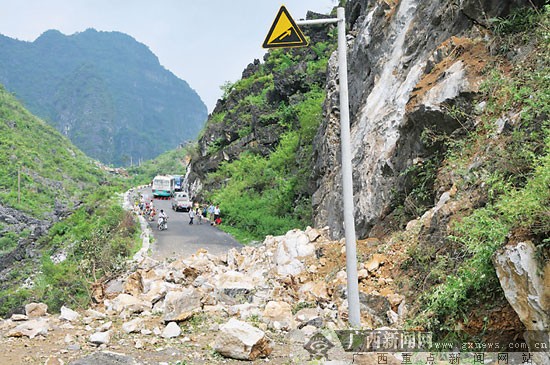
318	346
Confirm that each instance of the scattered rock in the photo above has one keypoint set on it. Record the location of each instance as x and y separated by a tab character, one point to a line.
236	280
95	314
18	317
172	330
128	304
181	305
239	340
135	325
73	347
313	291
278	315
54	360
33	310
100	338
30	328
312	234
290	248
68	314
374	263
105	327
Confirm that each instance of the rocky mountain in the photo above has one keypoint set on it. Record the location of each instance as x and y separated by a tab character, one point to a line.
449	127
451	143
413	64
105	91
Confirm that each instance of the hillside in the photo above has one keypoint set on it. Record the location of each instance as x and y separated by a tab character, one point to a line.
54	202
255	154
450	124
450	133
105	91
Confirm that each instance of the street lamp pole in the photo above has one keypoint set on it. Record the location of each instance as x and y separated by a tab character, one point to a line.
347	177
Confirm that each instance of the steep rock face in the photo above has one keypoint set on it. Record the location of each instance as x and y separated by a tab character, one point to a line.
105	91
409	63
527	289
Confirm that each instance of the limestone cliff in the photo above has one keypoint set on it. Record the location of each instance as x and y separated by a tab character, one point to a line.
410	62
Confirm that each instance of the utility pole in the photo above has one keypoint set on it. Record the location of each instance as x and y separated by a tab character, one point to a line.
19	185
285	33
347	178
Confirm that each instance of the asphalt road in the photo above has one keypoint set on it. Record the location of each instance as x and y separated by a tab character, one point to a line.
183	239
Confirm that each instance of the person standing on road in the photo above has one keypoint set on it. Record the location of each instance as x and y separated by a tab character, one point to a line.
191	215
211	212
198	215
216	212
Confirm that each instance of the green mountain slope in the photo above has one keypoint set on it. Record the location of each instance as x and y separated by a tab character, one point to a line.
104	90
254	156
53	173
60	228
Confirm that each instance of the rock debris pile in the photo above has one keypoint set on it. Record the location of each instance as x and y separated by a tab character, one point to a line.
256	301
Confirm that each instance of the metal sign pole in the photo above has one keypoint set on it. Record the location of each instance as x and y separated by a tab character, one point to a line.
347	178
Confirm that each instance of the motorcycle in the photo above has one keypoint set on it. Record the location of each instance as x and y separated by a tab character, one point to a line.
162	223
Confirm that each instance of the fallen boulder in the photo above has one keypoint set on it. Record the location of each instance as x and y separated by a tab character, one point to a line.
239	340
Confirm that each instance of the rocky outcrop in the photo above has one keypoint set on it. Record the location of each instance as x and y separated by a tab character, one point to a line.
410	62
248	118
527	288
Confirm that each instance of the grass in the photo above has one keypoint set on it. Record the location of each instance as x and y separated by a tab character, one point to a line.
514	178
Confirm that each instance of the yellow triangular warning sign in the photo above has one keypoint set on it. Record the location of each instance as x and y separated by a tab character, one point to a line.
284	32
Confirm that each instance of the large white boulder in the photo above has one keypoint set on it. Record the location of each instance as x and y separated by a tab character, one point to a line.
291	251
181	305
239	340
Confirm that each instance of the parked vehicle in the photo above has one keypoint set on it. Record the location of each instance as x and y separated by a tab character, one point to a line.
181	202
179	182
163	186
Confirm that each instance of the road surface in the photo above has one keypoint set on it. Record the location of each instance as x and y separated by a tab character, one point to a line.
183	239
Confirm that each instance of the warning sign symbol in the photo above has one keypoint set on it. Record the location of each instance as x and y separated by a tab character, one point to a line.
284	32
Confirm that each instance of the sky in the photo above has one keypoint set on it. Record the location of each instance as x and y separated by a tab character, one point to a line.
204	42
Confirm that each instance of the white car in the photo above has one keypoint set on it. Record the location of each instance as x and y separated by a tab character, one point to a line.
181	201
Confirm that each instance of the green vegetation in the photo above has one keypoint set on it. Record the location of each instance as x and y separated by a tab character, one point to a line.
105	91
265	189
172	162
101	238
265	195
515	176
93	235
52	171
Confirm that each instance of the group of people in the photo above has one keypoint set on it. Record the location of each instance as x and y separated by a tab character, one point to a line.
210	212
146	208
